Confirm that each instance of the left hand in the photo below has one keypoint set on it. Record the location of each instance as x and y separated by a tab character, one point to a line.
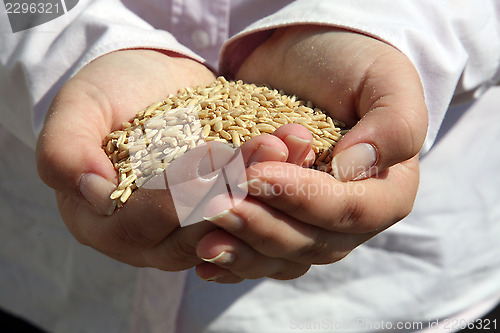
296	217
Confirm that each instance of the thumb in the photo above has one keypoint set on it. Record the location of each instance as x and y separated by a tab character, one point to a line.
393	121
69	154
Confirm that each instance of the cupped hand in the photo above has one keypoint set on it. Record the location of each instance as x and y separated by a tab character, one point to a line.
297	217
70	159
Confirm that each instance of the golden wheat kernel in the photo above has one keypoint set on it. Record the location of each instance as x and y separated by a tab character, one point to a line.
331	141
116	194
316	142
321	124
240	122
236	100
122	138
266	128
304	114
226	124
110	147
218	126
165	107
235	138
326	143
222	80
255	130
312	129
126	125
204	104
275	124
126	167
127	182
236	112
264	119
247	117
319	117
225	135
253	103
331	135
126	194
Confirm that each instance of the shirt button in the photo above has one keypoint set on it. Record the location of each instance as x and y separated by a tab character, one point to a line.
200	39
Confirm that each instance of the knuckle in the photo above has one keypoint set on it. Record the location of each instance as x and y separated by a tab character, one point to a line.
407	136
410	128
320	250
352	218
295	202
179	250
174	254
355	219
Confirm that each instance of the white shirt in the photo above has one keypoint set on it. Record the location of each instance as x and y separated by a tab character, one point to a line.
443	259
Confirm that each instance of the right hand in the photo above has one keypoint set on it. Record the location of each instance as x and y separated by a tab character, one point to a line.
105	93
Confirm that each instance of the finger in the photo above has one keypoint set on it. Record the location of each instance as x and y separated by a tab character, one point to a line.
393	122
178	250
143	233
213	273
262	148
275	235
224	250
147	229
298	140
69	147
317	198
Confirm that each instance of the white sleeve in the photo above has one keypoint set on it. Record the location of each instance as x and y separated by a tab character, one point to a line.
35	63
454	44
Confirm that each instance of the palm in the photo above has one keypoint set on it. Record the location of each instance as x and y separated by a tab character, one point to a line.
349	75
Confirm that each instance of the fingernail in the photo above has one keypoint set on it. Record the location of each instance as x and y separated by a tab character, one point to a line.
259	188
354	162
266	153
300	145
214	278
309	158
97	190
227	220
223	258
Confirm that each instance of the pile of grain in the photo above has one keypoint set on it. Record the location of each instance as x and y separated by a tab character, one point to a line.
227	111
